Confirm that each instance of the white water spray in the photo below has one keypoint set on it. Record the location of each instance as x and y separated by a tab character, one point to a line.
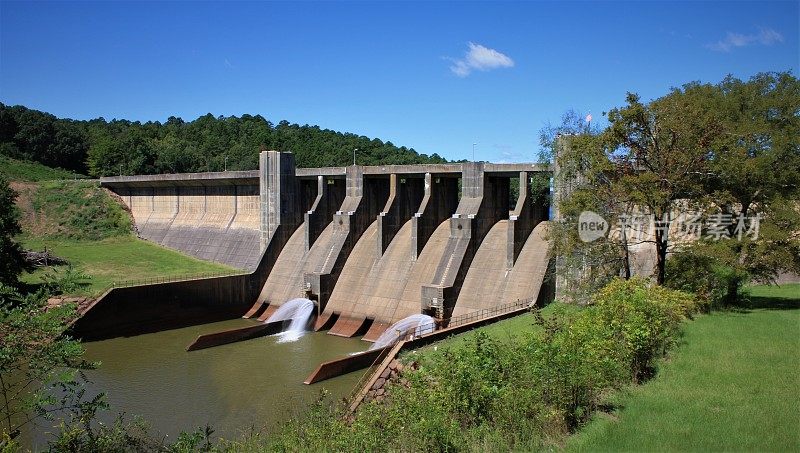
415	325
299	311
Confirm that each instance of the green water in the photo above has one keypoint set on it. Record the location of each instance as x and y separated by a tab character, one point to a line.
252	384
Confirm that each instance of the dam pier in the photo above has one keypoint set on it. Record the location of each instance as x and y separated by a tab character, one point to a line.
369	245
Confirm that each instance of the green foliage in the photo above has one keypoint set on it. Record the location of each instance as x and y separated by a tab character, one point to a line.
85	435
701	148
642	318
730	385
41	368
209	143
714	283
33	135
11	261
23	170
80	210
486	394
65	281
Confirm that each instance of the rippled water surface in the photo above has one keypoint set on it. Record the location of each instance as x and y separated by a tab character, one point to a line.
256	383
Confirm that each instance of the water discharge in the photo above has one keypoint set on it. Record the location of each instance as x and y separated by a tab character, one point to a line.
299	312
415	325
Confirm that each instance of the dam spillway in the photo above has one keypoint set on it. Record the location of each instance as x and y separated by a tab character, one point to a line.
370	245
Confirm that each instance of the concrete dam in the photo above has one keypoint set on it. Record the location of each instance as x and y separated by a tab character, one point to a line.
369	245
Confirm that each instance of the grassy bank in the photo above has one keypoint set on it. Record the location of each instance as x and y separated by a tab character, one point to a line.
589	379
120	259
731	385
79	221
523	384
21	170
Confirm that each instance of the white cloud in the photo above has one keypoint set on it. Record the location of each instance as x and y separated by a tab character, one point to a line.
479	58
764	37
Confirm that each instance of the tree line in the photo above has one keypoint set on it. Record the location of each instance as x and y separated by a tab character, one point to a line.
712	171
102	148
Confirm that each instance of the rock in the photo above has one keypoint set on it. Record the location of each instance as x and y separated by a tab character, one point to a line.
380	392
386	373
394	364
379	383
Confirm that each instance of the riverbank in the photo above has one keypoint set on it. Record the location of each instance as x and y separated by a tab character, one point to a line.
731	385
75	219
553	382
119	259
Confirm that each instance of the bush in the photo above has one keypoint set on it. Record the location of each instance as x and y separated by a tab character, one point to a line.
526	394
641	319
715	284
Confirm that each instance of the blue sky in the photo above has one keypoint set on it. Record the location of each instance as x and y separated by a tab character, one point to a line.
433	76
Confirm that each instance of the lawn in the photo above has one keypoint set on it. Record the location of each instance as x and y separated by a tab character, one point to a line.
119	259
732	384
80	222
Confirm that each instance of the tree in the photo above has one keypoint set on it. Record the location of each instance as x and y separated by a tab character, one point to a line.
701	149
581	185
659	154
11	260
41	369
756	178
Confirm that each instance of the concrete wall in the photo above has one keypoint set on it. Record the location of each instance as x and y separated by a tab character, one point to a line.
363	201
148	308
215	223
369	244
484	202
488	282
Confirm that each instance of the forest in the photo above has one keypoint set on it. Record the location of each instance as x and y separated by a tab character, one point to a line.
99	147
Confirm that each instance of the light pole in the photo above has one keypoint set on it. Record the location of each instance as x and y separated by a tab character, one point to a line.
473	151
354	156
226	164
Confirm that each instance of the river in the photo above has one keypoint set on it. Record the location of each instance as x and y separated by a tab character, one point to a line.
233	388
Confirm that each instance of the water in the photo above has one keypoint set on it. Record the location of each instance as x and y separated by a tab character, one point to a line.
299	311
414	324
256	383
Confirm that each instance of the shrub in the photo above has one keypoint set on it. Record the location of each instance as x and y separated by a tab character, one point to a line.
641	318
714	283
526	394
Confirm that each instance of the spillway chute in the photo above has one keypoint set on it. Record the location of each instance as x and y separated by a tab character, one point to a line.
298	313
416	325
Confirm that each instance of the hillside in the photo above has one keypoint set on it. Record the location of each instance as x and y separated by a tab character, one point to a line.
77	220
101	148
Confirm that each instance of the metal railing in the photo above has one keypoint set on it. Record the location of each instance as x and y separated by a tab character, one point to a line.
362	381
428	329
171	279
487	313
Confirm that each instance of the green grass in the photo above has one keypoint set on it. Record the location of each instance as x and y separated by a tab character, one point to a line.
774	296
732	384
23	170
120	259
80	222
77	210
